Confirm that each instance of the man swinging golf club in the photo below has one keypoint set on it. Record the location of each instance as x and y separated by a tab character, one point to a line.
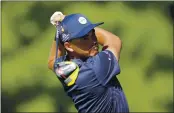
87	75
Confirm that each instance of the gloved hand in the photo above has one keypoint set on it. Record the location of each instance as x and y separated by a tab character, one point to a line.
56	17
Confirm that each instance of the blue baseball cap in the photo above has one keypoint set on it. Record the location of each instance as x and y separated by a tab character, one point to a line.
76	26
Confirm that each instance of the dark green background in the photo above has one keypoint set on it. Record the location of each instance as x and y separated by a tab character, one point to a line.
145	29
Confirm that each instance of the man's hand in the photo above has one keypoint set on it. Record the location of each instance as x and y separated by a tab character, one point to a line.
56	17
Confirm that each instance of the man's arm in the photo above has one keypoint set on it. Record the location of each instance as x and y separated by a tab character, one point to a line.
57	16
61	52
109	41
106	64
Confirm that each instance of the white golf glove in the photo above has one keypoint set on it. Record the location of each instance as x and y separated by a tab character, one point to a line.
56	17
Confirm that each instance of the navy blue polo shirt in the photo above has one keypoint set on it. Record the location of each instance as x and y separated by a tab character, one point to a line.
97	88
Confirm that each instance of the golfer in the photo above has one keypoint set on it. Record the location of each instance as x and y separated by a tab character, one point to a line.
88	76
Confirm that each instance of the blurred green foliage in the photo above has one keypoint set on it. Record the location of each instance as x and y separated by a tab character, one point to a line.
145	28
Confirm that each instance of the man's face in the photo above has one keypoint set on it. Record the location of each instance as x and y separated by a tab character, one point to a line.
86	46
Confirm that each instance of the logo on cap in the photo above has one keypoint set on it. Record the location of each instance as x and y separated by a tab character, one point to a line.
82	20
65	37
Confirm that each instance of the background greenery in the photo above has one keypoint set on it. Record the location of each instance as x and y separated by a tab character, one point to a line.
146	29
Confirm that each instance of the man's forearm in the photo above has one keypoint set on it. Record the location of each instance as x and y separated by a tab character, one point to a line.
52	55
109	40
105	37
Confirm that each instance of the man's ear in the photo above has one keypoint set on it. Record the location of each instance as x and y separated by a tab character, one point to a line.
68	46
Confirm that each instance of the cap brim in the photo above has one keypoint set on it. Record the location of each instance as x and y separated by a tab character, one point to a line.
86	30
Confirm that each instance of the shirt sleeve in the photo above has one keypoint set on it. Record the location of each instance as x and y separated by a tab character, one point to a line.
105	66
